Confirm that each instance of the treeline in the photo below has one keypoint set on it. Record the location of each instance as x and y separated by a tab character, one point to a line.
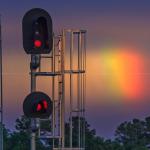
131	135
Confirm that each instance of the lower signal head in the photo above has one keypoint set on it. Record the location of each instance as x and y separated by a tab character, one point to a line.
37	105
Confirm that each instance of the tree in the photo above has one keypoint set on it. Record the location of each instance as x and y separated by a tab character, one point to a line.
132	134
20	139
92	141
22	124
6	138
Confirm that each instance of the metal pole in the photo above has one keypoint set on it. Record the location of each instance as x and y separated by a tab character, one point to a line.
63	90
84	89
81	129
33	141
79	89
1	78
53	93
60	91
33	121
83	50
71	85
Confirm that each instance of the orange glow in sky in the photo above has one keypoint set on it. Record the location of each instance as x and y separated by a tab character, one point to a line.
121	69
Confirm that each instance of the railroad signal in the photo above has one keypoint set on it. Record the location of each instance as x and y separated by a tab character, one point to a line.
37	105
37	32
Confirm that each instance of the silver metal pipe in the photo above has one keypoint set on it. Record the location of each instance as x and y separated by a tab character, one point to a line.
33	145
33	121
84	89
71	86
53	92
1	96
59	91
63	88
79	88
81	92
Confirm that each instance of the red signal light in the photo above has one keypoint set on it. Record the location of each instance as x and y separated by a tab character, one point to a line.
37	43
39	107
45	104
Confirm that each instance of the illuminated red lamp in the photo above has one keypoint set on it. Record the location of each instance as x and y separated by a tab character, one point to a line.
45	104
37	43
39	107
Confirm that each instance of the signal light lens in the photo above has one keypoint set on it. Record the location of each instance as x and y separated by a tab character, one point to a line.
42	105
45	104
37	43
39	107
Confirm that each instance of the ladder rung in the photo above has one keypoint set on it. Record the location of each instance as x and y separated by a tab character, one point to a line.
47	73
74	71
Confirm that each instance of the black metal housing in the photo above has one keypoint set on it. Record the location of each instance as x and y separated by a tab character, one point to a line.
30	104
37	20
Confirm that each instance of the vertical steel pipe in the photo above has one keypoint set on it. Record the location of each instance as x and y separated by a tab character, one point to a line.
1	96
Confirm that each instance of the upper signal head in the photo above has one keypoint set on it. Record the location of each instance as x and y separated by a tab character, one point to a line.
37	32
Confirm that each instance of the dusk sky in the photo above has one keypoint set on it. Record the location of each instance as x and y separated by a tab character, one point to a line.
118	51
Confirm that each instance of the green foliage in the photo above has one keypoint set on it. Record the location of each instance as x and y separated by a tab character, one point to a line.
22	124
92	141
134	135
131	135
20	139
6	138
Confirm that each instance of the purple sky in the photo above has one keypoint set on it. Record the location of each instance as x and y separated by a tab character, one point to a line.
109	24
